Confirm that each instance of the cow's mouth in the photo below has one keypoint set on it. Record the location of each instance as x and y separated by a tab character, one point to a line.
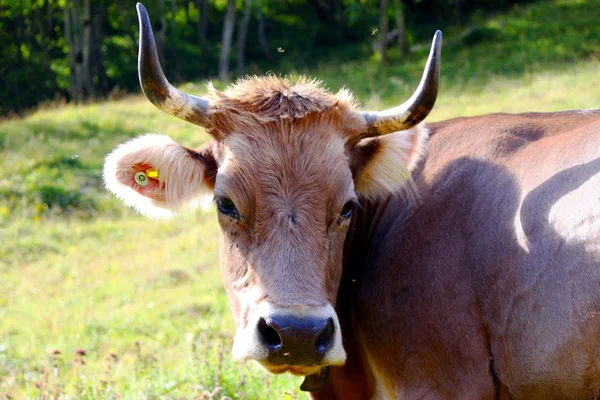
315	377
298	370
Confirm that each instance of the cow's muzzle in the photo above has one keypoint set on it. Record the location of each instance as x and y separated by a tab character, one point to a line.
290	339
300	340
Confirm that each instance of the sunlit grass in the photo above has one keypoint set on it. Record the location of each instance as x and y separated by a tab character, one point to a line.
143	299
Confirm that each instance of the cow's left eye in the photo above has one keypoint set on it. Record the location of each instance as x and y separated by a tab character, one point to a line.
226	206
347	210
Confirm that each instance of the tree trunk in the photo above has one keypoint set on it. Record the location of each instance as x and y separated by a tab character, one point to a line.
69	40
88	43
160	30
228	28
45	42
84	28
127	19
173	19
19	56
73	34
187	12
202	21
458	9
322	12
173	69
338	11
383	30
262	36
241	37
100	17
401	26
50	18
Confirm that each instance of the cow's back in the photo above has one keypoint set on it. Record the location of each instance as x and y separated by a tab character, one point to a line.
494	278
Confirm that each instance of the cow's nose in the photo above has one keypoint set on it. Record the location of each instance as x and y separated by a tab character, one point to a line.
296	341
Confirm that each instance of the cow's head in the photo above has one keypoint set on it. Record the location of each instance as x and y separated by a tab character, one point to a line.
287	166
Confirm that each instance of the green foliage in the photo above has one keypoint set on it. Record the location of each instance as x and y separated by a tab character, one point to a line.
30	39
519	44
34	52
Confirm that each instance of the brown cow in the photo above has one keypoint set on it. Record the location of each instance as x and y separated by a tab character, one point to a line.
377	269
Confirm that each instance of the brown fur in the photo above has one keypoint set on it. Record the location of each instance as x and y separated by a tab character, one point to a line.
185	179
289	158
451	301
477	287
269	101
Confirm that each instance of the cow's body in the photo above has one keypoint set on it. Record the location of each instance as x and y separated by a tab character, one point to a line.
478	278
488	285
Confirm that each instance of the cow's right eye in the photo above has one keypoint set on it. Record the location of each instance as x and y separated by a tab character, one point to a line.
227	207
347	210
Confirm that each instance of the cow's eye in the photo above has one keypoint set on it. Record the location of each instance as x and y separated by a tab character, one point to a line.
346	212
226	206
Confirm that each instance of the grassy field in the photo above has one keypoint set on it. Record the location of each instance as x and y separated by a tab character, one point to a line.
97	302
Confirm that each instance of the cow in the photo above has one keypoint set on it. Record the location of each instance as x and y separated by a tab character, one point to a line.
382	257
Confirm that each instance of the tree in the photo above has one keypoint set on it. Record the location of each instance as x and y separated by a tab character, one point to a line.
241	38
228	28
45	32
262	35
173	65
383	30
160	29
84	34
401	26
80	79
100	82
80	49
202	6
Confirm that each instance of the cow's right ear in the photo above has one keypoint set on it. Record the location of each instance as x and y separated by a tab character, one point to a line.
382	165
158	177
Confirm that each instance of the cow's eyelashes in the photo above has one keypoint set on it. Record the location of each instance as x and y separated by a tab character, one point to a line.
227	207
346	212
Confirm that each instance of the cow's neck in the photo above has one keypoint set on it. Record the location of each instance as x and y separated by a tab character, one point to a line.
354	380
372	220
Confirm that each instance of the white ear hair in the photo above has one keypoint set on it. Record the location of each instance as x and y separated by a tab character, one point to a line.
389	169
180	182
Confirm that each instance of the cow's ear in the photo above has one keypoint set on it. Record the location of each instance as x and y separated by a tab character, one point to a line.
158	177
382	165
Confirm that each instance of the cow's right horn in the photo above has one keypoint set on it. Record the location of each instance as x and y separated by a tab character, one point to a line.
415	109
155	85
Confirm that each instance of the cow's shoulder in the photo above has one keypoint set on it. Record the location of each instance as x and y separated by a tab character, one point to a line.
498	137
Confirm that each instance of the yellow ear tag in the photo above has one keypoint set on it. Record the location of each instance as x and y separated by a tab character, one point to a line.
152	173
140	178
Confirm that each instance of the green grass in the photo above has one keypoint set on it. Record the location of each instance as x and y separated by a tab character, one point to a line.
147	292
143	299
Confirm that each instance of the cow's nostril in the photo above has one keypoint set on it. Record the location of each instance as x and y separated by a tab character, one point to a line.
325	339
269	336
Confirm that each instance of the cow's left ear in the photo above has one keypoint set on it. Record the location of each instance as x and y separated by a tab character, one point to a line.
382	165
158	177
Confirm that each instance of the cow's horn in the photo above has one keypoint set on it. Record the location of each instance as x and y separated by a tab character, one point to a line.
155	85
415	109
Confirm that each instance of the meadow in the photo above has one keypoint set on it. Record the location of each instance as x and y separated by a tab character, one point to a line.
97	302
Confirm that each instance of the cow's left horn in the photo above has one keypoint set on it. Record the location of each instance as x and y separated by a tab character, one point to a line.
155	85
415	109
